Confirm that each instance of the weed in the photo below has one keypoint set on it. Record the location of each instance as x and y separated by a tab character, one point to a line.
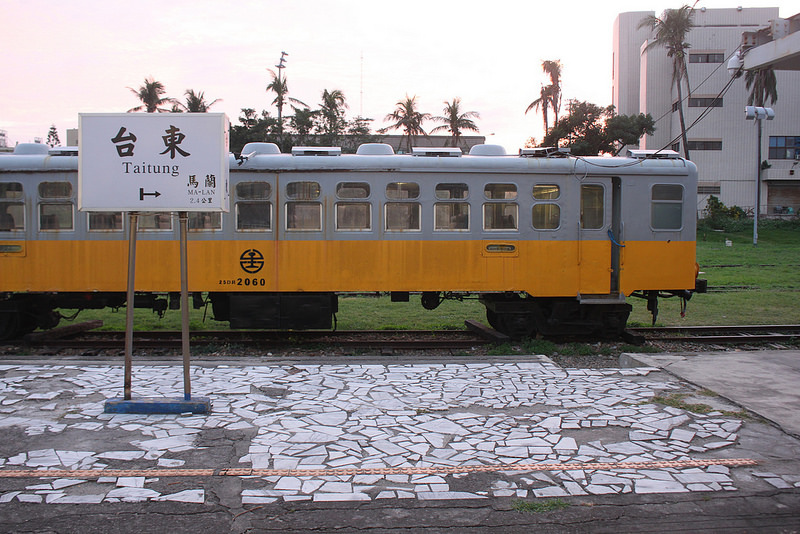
676	401
538	507
502	350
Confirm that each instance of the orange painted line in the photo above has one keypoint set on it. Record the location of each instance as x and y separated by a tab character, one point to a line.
243	472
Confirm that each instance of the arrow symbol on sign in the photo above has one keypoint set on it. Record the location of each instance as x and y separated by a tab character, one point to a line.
142	194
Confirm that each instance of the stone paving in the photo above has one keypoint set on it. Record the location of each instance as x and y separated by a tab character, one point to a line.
315	417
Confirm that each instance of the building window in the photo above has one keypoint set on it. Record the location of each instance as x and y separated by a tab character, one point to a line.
708	188
676	147
705	102
714	57
666	210
12	208
705	145
253	209
783	147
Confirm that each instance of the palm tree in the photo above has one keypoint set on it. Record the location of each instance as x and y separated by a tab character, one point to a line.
150	94
670	32
332	111
407	117
762	85
280	87
455	121
196	102
553	69
543	103
549	95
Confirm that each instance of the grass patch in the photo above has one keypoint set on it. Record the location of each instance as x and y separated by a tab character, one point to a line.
540	506
676	401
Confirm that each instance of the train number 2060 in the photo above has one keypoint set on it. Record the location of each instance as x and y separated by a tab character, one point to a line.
244	282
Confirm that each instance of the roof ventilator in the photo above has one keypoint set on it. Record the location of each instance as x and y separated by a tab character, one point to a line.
544	152
439	152
316	151
652	154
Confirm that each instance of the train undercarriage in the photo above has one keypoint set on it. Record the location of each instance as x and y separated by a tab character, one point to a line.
514	314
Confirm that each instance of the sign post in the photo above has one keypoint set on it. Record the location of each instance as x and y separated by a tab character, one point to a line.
137	162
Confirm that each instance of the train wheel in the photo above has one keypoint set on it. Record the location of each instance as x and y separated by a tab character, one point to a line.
516	325
491	318
9	326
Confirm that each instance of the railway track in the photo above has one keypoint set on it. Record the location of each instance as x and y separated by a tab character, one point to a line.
81	337
305	340
721	334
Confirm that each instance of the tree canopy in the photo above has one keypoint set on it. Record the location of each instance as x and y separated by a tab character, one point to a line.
150	94
456	121
588	129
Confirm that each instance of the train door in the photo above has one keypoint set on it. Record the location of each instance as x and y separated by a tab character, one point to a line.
600	222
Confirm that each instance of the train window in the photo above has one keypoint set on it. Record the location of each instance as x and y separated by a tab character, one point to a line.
302	190
154	221
204	220
451	191
253	216
303	215
10	190
12	212
592	209
666	211
353	216
105	220
12	216
500	191
253	190
500	215
55	216
352	190
546	216
451	216
55	190
402	216
546	192
402	190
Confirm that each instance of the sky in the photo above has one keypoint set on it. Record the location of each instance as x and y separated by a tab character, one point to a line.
61	58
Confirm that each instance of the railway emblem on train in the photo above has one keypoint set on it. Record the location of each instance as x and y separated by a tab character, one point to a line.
251	261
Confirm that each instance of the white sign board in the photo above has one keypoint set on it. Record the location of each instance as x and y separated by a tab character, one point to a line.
153	162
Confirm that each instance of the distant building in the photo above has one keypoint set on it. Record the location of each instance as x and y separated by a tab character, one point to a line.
466	142
723	144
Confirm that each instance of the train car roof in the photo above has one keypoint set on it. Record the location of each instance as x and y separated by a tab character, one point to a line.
44	159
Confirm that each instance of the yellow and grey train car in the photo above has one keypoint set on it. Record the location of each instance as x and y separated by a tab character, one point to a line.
550	243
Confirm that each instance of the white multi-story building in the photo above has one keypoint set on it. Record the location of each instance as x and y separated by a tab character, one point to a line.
723	144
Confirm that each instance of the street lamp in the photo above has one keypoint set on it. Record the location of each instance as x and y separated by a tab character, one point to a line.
758	113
